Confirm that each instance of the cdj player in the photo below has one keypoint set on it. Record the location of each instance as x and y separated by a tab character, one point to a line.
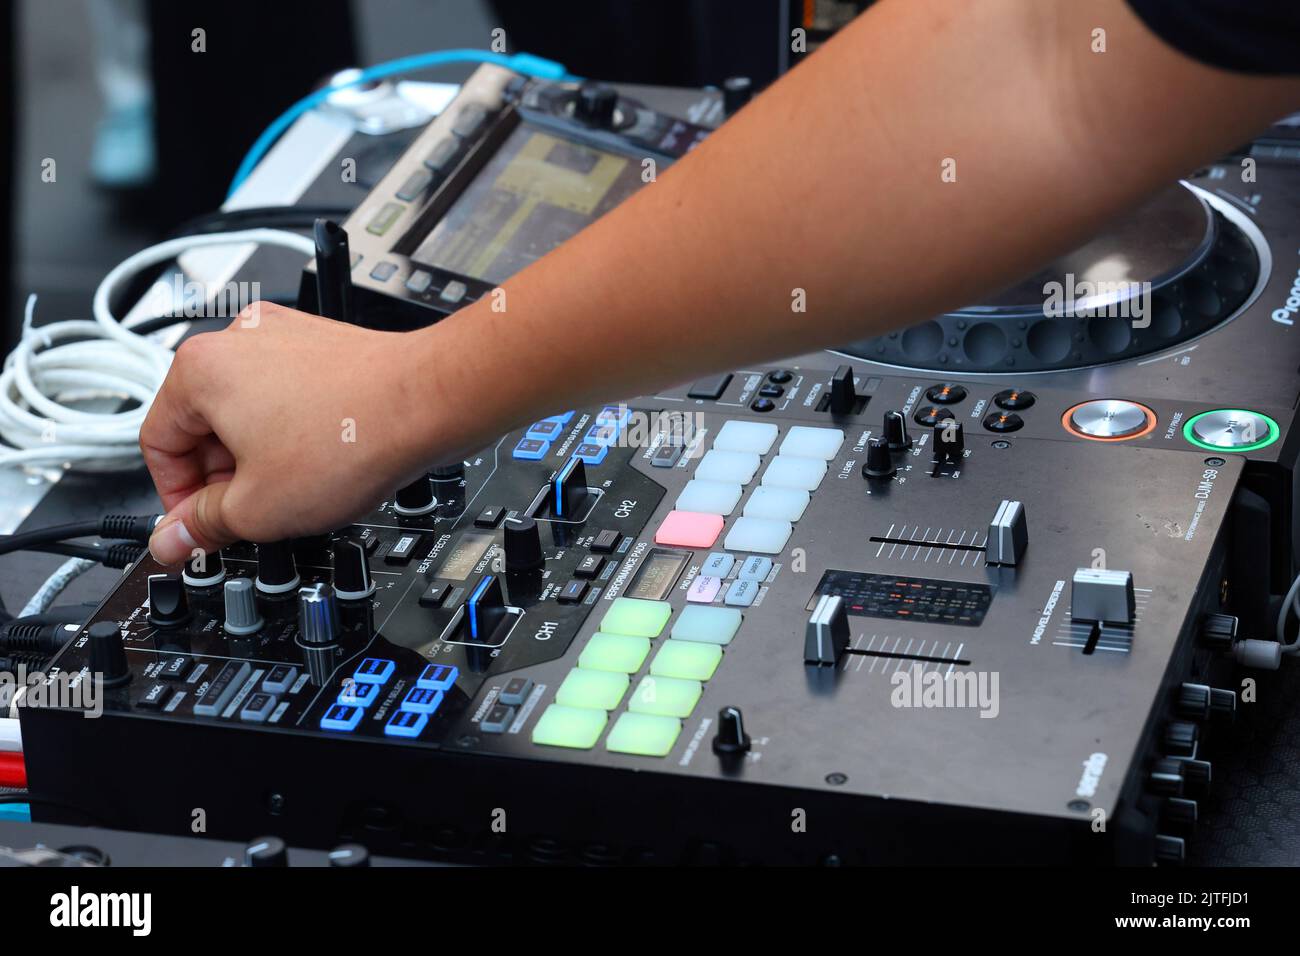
975	591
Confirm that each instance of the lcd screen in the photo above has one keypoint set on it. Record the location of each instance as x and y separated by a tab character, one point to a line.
537	191
469	549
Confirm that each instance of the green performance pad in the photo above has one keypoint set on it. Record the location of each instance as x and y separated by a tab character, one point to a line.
706	624
576	727
645	735
686	659
601	690
636	618
665	696
614	652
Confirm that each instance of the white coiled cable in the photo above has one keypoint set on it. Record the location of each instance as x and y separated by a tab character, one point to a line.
56	366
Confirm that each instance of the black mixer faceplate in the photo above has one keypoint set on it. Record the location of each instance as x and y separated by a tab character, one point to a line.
1170	270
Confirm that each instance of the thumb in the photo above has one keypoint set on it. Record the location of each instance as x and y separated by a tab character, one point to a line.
196	524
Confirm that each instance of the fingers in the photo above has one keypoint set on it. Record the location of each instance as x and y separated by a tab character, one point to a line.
175	440
197	523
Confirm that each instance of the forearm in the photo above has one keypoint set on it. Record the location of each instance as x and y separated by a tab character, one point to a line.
831	183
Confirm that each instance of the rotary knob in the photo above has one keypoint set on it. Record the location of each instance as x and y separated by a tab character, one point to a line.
349	855
880	460
415	499
736	92
452	471
277	572
242	617
1166	777
352	581
168	606
266	851
1218	632
523	544
108	653
318	615
895	429
204	569
1180	738
596	104
731	738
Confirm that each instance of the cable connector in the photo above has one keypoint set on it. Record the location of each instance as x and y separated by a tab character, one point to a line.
1260	655
136	528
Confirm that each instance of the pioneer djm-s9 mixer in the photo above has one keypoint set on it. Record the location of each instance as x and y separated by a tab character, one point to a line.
685	645
972	591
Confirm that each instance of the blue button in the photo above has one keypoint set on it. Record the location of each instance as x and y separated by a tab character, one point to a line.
718	565
422	700
601	434
531	449
741	593
341	717
374	670
359	694
406	723
545	430
437	677
591	454
563	419
616	415
755	569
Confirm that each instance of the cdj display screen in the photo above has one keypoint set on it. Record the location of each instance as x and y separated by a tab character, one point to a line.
537	191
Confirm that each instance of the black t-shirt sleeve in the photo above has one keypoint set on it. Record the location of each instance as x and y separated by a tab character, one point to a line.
1249	36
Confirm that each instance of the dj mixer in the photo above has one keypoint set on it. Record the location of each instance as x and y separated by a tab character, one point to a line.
971	592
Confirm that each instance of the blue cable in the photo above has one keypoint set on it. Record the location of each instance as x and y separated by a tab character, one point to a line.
524	63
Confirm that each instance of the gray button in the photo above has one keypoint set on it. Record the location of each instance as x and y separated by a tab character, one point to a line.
222	688
755	569
257	709
497	719
415	184
280	679
383	271
443	156
741	593
516	691
470	121
419	281
453	291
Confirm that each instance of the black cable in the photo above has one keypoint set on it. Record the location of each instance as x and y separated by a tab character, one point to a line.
118	555
130	527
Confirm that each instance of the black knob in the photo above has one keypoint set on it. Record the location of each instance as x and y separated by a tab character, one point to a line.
204	569
596	104
1223	703
1166	777
1178	814
266	851
417	498
949	441
108	654
452	471
350	854
736	92
1218	631
844	394
1170	849
1197	774
895	430
168	606
352	581
277	572
1180	738
1193	701
731	737
523	542
880	460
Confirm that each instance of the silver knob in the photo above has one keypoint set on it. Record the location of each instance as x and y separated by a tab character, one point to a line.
318	616
241	608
